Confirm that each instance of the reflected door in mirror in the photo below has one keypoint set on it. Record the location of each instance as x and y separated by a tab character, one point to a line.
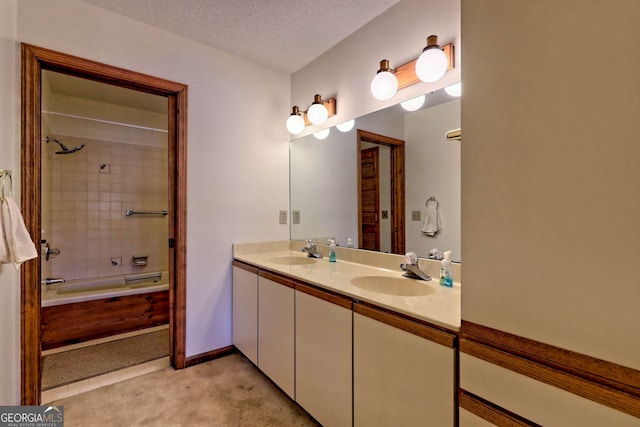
370	199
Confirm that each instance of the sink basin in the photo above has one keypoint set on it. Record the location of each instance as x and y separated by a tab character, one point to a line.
291	260
389	285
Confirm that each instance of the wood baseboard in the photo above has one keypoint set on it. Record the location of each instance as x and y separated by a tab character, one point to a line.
211	355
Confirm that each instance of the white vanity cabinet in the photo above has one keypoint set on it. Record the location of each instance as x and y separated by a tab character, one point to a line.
276	338
403	371
245	310
323	355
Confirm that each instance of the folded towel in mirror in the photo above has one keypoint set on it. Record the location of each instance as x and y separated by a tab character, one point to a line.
432	223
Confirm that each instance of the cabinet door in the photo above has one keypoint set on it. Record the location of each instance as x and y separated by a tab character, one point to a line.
400	378
276	350
323	356
245	311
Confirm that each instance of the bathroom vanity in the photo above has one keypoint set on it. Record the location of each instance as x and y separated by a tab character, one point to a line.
353	342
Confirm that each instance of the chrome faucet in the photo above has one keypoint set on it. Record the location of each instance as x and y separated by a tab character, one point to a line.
411	268
311	249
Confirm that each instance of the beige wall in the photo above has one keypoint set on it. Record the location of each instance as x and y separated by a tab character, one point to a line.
550	176
9	159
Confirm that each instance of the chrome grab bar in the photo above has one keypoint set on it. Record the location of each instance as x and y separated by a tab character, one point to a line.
130	212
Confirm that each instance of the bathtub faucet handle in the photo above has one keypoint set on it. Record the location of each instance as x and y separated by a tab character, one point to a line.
50	252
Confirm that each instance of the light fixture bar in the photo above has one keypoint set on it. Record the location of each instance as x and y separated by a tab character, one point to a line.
329	104
406	73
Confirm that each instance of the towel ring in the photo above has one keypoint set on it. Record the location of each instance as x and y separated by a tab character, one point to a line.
5	174
433	199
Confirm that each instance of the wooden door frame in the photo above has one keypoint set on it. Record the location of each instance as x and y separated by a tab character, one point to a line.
34	60
397	186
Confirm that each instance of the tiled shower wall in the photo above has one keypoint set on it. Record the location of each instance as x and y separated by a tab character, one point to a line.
90	192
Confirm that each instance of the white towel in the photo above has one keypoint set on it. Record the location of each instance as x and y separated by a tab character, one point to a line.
432	222
16	245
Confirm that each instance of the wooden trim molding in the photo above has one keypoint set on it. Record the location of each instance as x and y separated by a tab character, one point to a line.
414	326
278	279
604	382
34	60
325	295
491	412
248	267
210	355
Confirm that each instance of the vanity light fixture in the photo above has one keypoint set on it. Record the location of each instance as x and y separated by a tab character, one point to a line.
382	85
454	89
322	134
385	84
346	126
432	62
317	114
414	104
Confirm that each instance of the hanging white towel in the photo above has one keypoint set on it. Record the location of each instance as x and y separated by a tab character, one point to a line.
16	245
432	223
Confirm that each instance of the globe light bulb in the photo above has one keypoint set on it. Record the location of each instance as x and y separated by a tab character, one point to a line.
384	85
295	122
346	126
454	89
317	113
414	103
432	63
322	134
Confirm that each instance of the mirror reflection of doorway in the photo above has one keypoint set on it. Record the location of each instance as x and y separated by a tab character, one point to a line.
380	229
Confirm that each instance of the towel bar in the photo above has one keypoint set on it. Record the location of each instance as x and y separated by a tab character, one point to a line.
130	212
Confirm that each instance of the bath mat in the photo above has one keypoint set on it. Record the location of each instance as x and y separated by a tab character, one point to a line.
75	365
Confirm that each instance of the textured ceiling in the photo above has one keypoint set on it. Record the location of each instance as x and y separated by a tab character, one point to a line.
284	34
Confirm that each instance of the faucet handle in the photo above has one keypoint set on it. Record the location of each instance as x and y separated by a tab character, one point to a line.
411	258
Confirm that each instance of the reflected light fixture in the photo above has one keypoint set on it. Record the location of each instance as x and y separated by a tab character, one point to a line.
322	134
414	103
454	89
432	62
346	126
295	122
385	84
317	113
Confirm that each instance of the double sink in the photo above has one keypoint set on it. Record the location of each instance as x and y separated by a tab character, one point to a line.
387	285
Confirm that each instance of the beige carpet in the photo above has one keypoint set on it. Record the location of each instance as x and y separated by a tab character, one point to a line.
229	391
74	365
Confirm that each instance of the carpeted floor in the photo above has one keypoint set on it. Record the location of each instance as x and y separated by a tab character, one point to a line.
75	365
229	391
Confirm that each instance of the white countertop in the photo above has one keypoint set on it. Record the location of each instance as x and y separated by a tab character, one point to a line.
440	307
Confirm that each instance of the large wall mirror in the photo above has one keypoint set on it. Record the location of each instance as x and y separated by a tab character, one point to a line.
336	193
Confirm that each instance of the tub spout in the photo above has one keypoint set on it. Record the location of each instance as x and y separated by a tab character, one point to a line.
53	281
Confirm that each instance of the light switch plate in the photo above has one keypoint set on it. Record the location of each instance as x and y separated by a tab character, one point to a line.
415	215
296	217
283	217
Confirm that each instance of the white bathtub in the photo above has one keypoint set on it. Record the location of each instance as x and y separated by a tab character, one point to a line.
104	287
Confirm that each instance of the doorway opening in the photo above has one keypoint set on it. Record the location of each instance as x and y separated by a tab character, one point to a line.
368	219
35	60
